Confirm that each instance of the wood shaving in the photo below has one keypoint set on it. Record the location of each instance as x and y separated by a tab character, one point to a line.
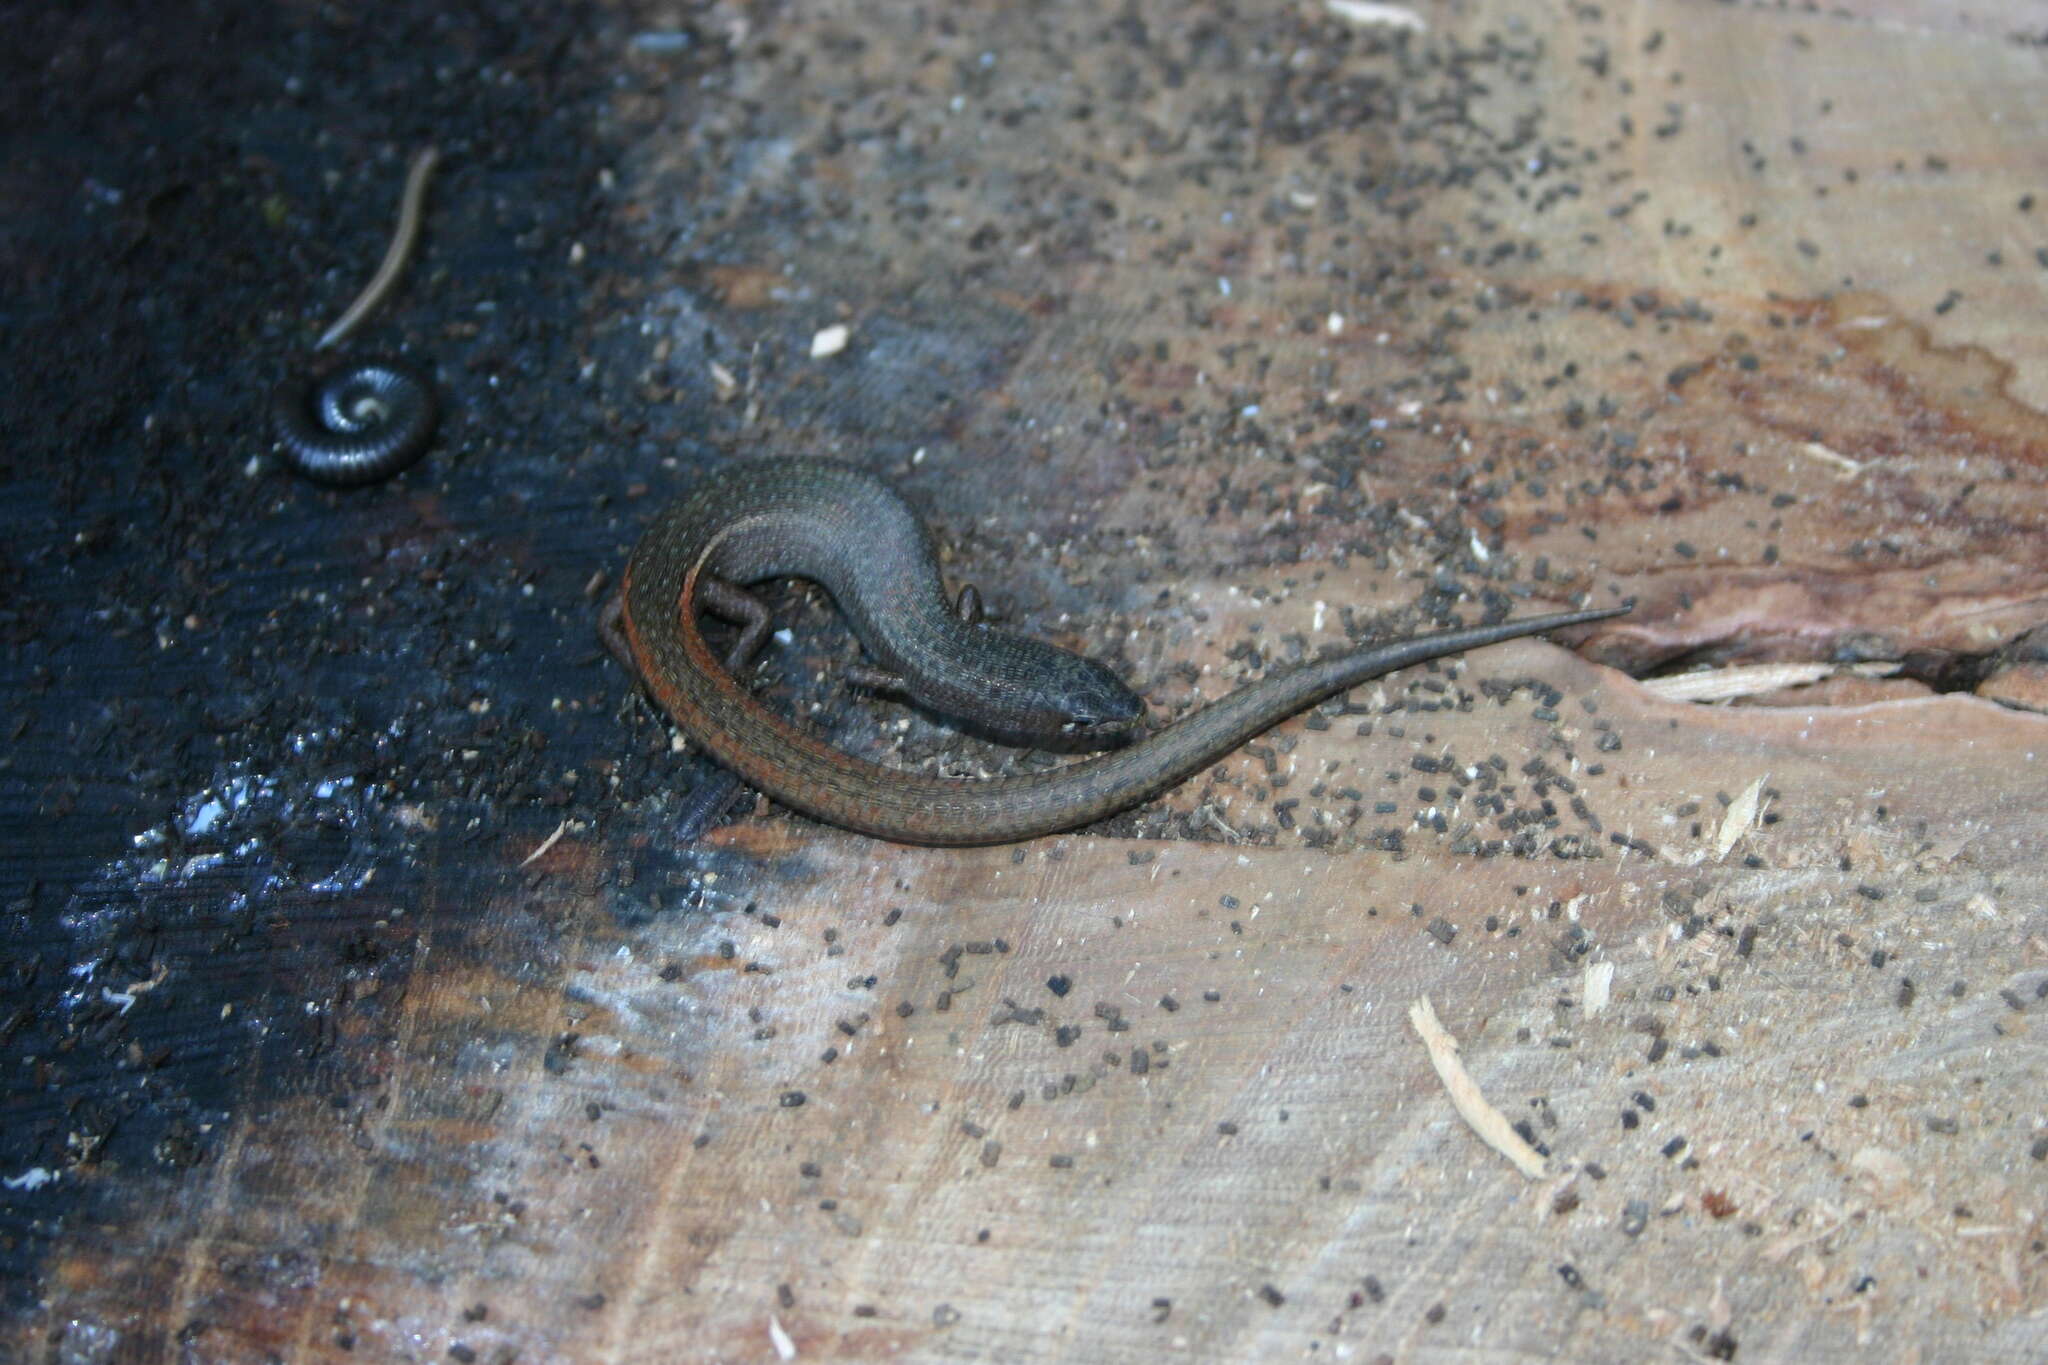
1742	813
1726	684
1485	1120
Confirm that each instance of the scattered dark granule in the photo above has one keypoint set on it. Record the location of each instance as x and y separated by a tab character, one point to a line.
1168	1003
1016	1100
891	918
1161	1310
991	1153
1673	1147
785	1297
828	1056
1141	1063
1870	893
1443	931
2012	1000
1227	902
1745	942
1136	857
864	1310
1948	1127
1212	997
476	1312
590	1303
1658	1047
1719	1346
1718	1204
1065	1035
1644	1101
1435	1314
810	1170
2039	1151
1271	1295
1373	1290
904	1009
1859	1101
465	1354
972	1129
1630	1119
1569	1273
1059	985
945	1315
1635	1216
1904	998
1061	1162
1227	1128
1596	1170
791	1099
1565	1201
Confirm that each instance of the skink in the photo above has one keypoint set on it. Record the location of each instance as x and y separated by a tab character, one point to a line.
848	531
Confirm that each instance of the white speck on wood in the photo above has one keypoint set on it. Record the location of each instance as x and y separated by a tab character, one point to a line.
829	341
1599	986
1366	13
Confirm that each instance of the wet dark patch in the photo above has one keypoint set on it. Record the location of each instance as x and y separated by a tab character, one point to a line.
260	734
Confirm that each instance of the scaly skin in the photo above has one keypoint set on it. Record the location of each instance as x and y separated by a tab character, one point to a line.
851	532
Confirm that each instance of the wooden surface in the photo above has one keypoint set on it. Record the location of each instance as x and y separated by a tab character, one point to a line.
1196	328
